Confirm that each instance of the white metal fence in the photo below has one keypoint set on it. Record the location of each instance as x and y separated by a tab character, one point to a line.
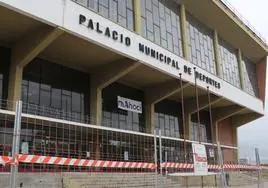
38	151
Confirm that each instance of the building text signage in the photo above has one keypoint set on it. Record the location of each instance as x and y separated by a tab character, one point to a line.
129	104
200	158
161	57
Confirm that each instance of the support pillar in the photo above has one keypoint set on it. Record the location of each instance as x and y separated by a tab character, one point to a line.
14	86
157	93
24	52
189	129
95	105
217	54
184	33
235	141
100	80
221	114
137	16
149	117
261	68
241	69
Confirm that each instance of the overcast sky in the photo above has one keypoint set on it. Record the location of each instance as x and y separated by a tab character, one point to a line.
254	134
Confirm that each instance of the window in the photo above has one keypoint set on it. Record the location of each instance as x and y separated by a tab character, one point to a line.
161	24
250	76
200	44
76	102
56	98
33	96
44	98
4	71
1	85
229	63
117	118
119	11
66	103
204	128
54	87
167	118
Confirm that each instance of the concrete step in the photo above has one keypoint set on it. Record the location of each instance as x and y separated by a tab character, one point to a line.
116	180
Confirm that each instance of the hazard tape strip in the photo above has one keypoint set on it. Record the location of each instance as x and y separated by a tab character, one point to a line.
108	164
225	166
5	160
76	162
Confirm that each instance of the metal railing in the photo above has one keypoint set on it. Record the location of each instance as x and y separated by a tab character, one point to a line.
121	159
244	21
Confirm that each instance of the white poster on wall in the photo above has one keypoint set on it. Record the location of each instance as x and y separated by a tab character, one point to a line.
25	148
126	155
200	159
129	104
211	152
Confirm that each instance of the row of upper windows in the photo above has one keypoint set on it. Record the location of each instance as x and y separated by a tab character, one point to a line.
161	24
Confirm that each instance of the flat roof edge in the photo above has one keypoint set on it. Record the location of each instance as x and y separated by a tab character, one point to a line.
242	22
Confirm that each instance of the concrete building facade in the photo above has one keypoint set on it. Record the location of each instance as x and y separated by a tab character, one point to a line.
191	69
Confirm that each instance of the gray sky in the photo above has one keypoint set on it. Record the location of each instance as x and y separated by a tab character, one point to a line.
254	134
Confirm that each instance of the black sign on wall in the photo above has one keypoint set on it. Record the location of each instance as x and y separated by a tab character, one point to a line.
106	31
145	49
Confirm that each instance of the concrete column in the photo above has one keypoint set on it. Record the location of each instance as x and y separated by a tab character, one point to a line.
189	128
235	141
223	113
261	68
217	54
14	86
23	52
157	93
149	117
137	16
241	69
184	33
216	131
95	105
100	80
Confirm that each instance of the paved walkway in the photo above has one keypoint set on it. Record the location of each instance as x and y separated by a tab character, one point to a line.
253	186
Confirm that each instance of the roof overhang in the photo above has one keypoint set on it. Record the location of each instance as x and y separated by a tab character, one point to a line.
216	15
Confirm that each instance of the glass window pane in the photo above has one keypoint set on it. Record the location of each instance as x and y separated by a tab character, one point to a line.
66	103
33	96
56	98
76	102
162	18
44	98
229	63
200	44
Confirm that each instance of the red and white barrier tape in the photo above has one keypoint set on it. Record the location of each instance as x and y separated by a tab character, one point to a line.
8	160
225	166
107	164
77	162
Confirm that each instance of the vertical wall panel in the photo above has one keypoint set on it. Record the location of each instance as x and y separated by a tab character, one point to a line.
250	76
229	63
119	11
200	45
161	24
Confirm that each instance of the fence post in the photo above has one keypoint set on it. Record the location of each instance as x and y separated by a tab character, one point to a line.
258	163
160	157
220	163
166	162
155	159
15	145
